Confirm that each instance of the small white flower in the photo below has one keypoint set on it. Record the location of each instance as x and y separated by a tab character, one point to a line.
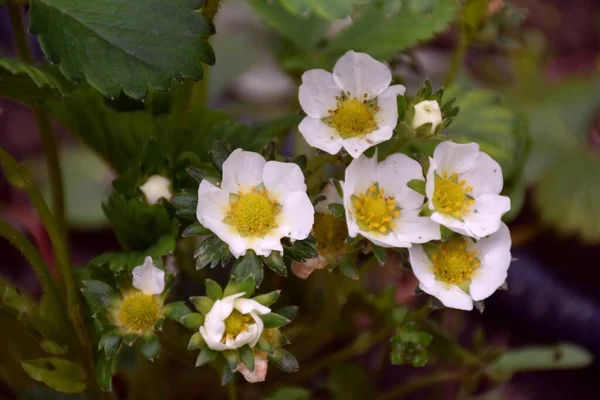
331	197
257	204
233	322
381	207
260	370
463	188
156	188
149	279
425	112
354	108
462	270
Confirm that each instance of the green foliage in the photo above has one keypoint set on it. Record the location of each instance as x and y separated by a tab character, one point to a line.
53	348
248	266
59	374
337	210
410	346
205	356
213	251
193	321
213	290
284	360
268	298
176	311
276	263
273	320
348	268
150	346
330	9
247	357
418	185
99	295
28	84
289	393
300	250
349	382
111	343
110	46
538	358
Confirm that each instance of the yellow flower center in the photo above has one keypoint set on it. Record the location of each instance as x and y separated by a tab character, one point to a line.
253	214
138	312
374	212
330	232
235	324
353	117
453	263
451	196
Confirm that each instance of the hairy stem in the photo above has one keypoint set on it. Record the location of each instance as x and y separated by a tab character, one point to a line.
419	383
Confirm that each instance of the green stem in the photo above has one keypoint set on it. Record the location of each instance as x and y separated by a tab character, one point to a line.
400	143
412	386
459	53
42	120
232	391
465	355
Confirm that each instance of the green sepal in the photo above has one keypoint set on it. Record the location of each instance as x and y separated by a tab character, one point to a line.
418	185
196	342
275	263
232	357
158	325
219	153
228	376
195	229
348	269
150	346
380	254
176	311
265	346
446	233
202	303
274	320
193	321
129	338
337	210
213	290
288	312
284	360
205	356
268	298
247	357
99	295
111	343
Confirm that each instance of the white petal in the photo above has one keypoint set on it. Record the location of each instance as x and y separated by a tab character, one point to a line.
155	188
242	170
485	177
297	216
499	240
393	175
452	224
243	338
320	135
282	179
455	158
149	279
410	227
360	74
331	196
484	216
450	295
246	306
258	323
388	106
430	182
212	202
227	233
211	342
425	112
389	240
360	174
355	146
317	93
421	265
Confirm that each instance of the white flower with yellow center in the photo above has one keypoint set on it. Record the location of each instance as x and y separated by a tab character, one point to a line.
140	309
461	270
354	108
233	322
155	188
463	188
427	111
381	207
257	204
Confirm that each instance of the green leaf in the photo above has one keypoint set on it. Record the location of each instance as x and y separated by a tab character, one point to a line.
337	210
219	153
268	298
28	84
195	229
150	346
213	290
273	320
108	44
99	295
349	382
288	312
196	341
53	348
301	250
284	360
213	251
275	263
193	321
202	303
186	204
16	173
305	32
418	185
176	311
410	346
348	269
105	369
111	343
289	393
540	358
248	266
205	356
59	374
247	357
380	254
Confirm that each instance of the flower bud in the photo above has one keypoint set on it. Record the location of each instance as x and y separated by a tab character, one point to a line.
427	111
155	188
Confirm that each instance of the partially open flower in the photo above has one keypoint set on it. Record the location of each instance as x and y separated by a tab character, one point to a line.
260	370
155	188
257	204
354	108
381	207
233	322
461	270
463	188
427	111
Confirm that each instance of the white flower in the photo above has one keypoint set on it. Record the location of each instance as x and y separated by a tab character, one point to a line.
233	322
381	207
257	204
331	197
155	188
462	270
354	108
260	370
463	187
427	112
149	279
